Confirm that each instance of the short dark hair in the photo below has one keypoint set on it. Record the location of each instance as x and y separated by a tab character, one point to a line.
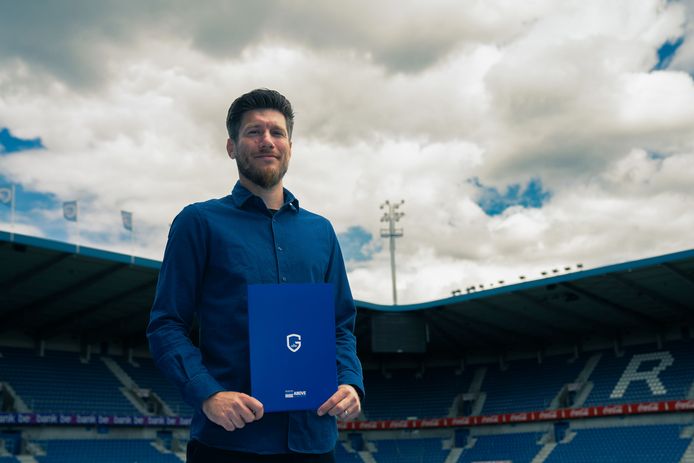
260	98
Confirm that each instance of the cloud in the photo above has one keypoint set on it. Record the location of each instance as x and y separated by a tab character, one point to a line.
394	100
75	39
684	57
71	39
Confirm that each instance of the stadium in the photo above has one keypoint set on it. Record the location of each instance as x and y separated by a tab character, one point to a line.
589	366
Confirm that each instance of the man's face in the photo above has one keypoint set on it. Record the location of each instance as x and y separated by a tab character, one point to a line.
263	149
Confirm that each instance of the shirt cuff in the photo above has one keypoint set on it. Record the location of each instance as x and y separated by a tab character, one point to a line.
360	393
200	388
353	380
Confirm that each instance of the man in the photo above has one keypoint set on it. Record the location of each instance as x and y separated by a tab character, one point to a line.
258	234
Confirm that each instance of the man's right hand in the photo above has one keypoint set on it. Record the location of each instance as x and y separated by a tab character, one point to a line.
232	410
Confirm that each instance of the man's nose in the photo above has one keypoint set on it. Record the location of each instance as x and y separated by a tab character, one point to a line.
266	139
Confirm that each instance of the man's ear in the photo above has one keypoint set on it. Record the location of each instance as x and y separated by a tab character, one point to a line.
231	148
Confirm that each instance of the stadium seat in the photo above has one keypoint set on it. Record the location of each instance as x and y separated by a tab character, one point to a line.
633	444
103	451
148	376
410	451
526	385
60	382
406	394
503	447
624	379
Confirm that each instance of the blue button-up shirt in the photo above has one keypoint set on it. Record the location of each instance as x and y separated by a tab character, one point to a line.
215	249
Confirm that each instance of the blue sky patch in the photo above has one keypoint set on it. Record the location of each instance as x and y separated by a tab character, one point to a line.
357	244
666	53
656	156
25	200
493	202
12	144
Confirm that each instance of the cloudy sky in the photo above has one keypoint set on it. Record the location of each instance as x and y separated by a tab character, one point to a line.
523	136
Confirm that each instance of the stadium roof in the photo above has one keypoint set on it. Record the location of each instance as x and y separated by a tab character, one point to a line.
51	288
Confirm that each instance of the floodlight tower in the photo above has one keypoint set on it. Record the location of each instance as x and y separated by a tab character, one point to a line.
391	216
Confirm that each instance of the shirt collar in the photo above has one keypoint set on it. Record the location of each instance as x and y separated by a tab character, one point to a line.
241	195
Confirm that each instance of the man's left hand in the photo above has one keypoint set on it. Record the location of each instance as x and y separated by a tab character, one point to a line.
344	404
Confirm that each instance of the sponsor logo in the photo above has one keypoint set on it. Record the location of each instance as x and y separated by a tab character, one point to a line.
398	424
650	407
684	405
368	425
579	412
548	415
490	419
461	421
122	420
294	342
291	394
431	423
86	419
7	418
44	418
613	410
518	417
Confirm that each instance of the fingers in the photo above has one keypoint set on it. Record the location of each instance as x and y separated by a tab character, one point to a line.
246	410
232	410
240	415
332	402
255	407
344	404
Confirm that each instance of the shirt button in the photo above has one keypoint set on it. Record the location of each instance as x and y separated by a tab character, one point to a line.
284	278
279	248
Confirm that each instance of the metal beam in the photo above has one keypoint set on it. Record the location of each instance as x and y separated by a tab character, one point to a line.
544	325
437	322
481	330
33	271
553	309
498	326
135	339
641	318
56	327
119	325
650	293
679	273
25	312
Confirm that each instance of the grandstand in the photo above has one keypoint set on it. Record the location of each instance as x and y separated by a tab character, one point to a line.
597	365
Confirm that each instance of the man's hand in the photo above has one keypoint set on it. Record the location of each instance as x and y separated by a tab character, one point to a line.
344	404
232	410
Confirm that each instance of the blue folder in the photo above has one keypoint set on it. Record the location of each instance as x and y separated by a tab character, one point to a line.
292	345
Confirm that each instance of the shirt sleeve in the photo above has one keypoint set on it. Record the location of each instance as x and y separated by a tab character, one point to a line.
349	369
171	318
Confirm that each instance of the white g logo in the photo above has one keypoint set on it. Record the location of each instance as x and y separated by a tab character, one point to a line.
293	342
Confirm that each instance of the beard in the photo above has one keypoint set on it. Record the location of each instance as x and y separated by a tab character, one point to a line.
266	177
